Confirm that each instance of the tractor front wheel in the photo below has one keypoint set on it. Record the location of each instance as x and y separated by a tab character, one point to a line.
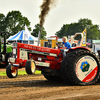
11	73
30	67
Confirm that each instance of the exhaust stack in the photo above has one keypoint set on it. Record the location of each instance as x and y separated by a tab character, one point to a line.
39	35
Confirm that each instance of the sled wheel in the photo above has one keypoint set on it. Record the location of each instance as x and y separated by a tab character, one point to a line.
80	67
30	67
10	72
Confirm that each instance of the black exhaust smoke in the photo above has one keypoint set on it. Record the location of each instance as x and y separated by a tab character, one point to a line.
45	8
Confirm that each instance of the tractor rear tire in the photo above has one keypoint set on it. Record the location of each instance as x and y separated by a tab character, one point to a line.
30	67
11	73
80	67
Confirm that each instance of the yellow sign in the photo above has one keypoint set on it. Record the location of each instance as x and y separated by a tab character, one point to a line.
84	37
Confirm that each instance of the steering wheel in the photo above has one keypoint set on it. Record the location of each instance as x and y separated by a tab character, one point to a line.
59	45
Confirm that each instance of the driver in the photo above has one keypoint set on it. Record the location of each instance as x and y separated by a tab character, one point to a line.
66	45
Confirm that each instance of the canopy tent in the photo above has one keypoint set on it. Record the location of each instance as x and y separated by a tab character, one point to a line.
23	36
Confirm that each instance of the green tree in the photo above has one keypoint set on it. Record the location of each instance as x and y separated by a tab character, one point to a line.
2	22
70	29
15	22
36	31
93	32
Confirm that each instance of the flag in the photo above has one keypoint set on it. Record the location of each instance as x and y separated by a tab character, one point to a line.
84	38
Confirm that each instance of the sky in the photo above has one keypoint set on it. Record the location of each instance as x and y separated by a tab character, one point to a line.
65	12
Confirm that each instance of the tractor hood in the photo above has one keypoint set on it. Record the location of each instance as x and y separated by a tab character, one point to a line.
38	48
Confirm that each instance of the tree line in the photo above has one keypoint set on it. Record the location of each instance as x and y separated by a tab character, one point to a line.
14	22
93	31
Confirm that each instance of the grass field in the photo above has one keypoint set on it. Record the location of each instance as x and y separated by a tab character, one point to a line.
19	73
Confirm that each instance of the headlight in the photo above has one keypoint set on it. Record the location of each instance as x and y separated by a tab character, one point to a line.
12	60
39	59
14	51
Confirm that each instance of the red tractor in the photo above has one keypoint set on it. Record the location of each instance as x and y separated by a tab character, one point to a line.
80	66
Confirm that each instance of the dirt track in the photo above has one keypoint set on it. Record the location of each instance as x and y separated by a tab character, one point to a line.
38	88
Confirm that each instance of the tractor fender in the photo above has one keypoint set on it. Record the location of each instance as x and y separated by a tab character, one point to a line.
77	48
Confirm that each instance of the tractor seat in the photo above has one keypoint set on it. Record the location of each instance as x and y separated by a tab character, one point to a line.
74	45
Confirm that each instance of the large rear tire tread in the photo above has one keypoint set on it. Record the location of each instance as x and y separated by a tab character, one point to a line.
67	67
